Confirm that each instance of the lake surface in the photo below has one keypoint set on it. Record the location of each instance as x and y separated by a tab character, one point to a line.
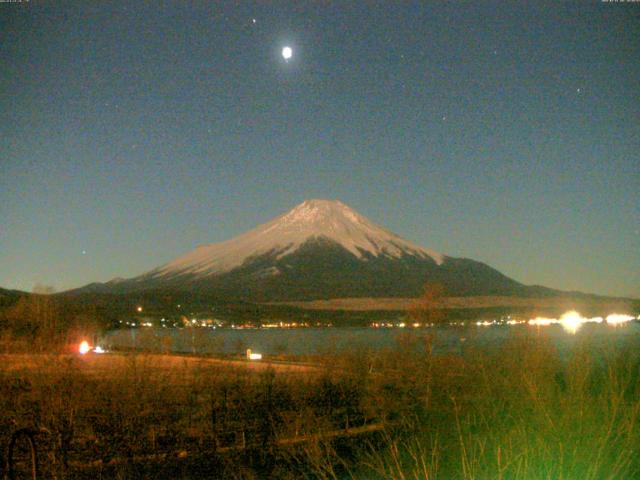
311	341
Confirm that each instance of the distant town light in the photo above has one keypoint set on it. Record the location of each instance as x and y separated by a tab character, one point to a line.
616	318
571	321
542	321
485	323
139	308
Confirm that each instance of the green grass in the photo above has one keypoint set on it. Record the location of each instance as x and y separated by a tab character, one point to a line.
519	412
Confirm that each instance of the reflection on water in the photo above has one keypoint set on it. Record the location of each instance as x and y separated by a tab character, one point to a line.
311	341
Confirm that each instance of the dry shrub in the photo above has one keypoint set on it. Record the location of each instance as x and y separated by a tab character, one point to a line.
524	410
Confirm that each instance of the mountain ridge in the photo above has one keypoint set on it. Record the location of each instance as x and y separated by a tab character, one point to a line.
287	232
320	249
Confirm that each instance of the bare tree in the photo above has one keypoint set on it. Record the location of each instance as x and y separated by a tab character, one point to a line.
428	308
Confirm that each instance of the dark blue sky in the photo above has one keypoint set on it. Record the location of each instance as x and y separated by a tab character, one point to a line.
510	134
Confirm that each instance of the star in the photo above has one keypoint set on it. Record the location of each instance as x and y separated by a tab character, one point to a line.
253	20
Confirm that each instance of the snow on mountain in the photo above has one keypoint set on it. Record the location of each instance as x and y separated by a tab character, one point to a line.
319	250
283	235
115	281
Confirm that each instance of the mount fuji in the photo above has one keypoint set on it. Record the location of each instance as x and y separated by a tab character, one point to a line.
321	249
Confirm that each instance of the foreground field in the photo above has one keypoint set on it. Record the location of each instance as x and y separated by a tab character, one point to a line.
110	365
523	411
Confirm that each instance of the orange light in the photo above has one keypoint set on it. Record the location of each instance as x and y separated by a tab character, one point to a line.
84	347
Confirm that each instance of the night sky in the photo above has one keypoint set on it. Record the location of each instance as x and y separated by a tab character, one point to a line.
132	133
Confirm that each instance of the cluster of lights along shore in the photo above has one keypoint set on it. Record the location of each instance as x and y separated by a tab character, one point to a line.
571	321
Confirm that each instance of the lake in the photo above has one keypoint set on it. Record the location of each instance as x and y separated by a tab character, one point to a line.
311	341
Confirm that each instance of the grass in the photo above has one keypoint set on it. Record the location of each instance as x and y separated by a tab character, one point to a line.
520	411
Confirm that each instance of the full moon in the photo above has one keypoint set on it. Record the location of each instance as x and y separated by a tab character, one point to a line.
287	52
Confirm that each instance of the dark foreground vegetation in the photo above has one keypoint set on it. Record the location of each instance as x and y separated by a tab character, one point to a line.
522	411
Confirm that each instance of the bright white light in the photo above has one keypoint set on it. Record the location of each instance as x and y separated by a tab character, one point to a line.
287	53
139	309
571	321
84	347
99	349
616	318
253	356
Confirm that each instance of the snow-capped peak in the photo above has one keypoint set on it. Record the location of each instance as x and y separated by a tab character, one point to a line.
283	235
